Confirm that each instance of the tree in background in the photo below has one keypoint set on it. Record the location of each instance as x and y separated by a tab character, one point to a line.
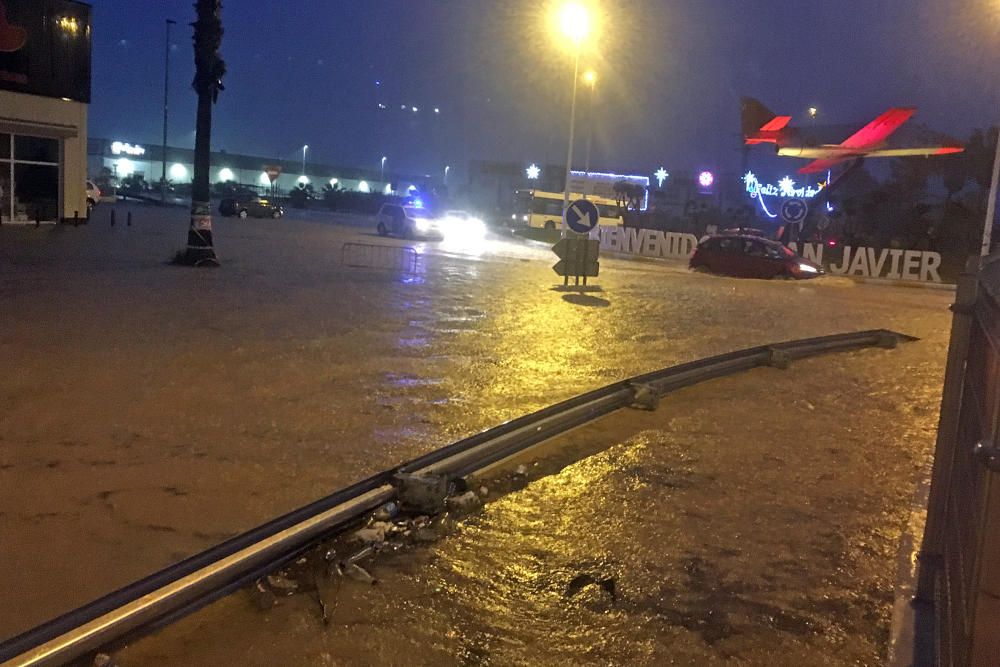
209	70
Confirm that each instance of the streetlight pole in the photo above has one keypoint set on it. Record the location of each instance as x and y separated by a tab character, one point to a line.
381	173
591	78
991	205
304	149
446	170
572	128
166	101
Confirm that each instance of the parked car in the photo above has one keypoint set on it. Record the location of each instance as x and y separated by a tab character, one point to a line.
247	207
93	196
407	222
748	256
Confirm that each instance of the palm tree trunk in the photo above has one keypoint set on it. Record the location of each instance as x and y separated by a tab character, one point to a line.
209	70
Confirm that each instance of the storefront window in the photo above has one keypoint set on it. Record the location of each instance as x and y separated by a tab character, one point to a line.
36	149
36	192
5	192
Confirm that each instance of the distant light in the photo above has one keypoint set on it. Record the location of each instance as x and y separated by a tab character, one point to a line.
226	174
661	175
388	189
436	110
533	171
178	172
813	111
415	109
590	77
333	182
118	148
403	107
69	24
411	189
377	82
418	203
264	179
832	243
705	179
364	187
382	106
302	180
125	167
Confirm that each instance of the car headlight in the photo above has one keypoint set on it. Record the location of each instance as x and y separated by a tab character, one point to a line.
808	268
423	225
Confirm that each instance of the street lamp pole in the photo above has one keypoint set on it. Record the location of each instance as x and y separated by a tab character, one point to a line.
591	79
166	100
446	170
991	205
572	128
304	149
382	170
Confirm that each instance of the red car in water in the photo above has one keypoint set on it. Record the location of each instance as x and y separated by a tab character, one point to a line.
748	256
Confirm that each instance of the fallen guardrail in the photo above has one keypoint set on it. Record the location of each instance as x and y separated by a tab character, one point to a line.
195	582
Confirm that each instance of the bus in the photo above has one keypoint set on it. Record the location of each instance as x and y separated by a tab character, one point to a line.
543	210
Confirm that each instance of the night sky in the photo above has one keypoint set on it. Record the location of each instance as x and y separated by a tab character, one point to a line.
671	75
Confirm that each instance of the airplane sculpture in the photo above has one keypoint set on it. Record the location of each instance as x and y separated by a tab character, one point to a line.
879	138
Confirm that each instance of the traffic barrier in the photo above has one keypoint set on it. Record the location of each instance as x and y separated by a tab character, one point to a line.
379	256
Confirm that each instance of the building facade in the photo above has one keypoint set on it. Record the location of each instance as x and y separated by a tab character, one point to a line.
45	74
117	160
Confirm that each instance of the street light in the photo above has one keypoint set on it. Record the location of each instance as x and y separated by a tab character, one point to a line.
382	169
166	99
446	170
812	112
304	149
573	20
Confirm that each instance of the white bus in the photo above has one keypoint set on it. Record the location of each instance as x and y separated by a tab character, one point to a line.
543	210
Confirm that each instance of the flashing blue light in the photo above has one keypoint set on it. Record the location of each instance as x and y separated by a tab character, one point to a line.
418	202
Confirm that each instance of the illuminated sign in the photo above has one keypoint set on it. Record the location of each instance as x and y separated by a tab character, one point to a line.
533	171
119	148
785	188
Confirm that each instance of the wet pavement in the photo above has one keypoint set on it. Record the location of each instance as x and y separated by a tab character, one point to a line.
151	411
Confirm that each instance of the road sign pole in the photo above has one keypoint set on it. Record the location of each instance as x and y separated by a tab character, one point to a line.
991	205
572	128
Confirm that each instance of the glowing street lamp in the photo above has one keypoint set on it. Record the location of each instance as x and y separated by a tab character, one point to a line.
812	112
304	149
382	169
574	24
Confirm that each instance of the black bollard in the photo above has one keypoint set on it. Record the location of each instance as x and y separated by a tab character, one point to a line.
112	217
128	221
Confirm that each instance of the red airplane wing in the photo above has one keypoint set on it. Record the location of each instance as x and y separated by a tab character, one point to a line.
817	166
879	129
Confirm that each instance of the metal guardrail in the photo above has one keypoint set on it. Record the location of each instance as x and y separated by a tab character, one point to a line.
957	600
379	256
196	581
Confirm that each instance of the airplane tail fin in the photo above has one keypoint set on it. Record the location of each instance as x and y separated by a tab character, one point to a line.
755	117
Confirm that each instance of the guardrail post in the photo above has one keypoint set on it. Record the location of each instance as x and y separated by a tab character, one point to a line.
932	548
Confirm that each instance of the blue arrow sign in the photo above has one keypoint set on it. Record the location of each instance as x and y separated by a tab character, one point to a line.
582	216
794	210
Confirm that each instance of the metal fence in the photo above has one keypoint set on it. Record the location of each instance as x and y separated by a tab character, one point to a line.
959	565
379	256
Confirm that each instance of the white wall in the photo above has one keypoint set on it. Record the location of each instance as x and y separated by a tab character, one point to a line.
51	117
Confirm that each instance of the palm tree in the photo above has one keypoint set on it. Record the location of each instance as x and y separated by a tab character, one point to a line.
209	70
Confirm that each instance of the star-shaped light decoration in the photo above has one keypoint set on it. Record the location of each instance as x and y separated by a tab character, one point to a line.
787	187
661	175
533	171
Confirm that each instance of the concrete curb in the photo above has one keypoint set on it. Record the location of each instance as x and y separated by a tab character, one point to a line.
911	642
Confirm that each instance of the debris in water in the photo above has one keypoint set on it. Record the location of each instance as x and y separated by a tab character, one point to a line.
387	511
644	397
103	660
263	597
580	581
483	491
281	584
330	555
521	470
372	534
369	550
356	572
465	502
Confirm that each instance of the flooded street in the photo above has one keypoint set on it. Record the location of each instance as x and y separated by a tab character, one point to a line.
750	520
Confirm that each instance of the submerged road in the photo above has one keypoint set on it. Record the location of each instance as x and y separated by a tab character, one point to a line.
151	411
